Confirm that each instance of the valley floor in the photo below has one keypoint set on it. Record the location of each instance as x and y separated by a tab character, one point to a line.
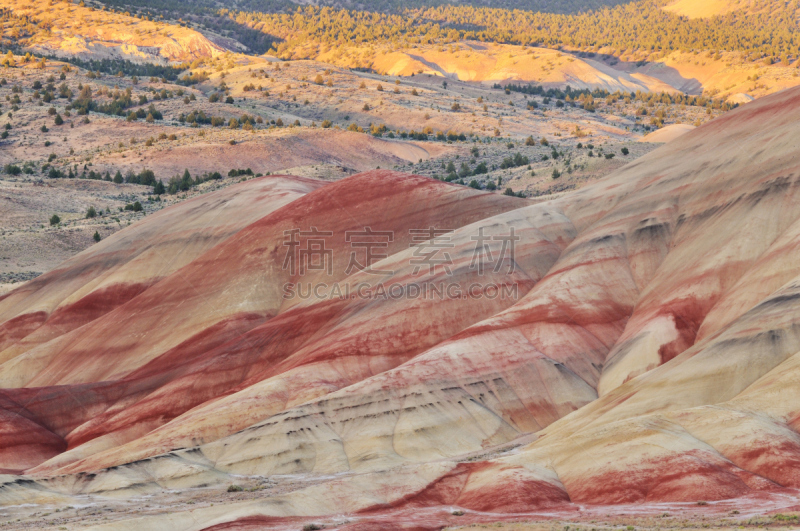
496	125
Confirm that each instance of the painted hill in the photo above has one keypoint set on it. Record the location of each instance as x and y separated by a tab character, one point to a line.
647	353
246	294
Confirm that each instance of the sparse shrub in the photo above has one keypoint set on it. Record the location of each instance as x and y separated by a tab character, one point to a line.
237	488
12	169
238	172
513	162
556	173
326	124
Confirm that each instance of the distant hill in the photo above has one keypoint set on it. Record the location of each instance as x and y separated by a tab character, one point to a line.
65	29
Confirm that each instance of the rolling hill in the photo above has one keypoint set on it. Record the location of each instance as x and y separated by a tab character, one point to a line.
405	266
65	29
644	353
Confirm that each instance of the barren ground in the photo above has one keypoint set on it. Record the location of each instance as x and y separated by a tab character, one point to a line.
313	140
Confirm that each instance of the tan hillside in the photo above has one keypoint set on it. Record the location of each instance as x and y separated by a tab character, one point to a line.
721	74
668	133
703	8
724	75
66	29
498	63
279	151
